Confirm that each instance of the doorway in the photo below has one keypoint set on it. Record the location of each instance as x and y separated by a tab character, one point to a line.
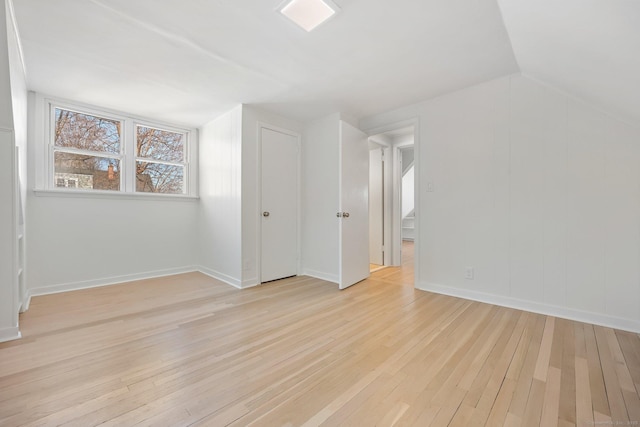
379	204
407	193
399	226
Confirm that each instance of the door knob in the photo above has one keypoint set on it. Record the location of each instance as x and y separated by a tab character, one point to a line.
265	213
346	214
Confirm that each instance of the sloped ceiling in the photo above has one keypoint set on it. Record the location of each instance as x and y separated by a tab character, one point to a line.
189	61
588	48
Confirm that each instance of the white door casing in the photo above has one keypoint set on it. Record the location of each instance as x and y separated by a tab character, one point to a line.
354	206
376	206
279	204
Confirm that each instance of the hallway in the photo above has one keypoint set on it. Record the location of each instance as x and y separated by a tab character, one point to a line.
403	275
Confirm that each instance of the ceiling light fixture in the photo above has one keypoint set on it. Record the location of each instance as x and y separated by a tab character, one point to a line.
308	14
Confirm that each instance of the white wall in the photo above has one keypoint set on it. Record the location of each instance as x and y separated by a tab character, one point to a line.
6	107
538	192
407	157
18	97
229	194
8	284
219	230
320	198
10	128
408	188
251	118
78	241
20	121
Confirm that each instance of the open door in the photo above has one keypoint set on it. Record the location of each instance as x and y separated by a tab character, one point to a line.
354	206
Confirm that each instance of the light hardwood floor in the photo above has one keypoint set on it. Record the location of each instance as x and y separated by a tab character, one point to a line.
187	350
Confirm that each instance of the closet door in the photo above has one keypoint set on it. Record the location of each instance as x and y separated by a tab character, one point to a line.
279	214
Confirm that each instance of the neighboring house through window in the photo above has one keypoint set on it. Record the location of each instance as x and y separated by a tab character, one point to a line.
86	148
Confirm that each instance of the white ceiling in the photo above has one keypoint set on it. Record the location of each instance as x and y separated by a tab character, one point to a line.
189	61
588	48
399	133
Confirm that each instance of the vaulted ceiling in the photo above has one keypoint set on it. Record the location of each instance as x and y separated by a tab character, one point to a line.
188	61
588	48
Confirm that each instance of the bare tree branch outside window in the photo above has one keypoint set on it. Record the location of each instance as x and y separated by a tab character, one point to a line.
83	148
88	151
160	165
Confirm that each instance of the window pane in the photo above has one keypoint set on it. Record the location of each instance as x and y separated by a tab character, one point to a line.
159	178
86	172
86	132
159	144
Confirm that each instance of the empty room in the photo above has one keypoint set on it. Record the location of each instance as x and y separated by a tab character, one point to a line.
320	213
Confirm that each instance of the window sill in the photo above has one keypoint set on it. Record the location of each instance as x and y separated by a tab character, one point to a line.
113	195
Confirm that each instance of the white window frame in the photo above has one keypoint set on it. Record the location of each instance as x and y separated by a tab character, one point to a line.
185	154
42	112
53	105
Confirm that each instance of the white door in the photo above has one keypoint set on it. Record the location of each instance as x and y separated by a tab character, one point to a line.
376	206
354	205
279	243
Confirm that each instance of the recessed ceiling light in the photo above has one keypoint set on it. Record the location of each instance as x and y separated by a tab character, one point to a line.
308	14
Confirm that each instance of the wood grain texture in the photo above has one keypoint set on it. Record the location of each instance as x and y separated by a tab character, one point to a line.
188	350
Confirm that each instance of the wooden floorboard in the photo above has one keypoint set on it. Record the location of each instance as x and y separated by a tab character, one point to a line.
188	350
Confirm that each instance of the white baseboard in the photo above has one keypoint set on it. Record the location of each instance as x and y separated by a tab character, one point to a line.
9	334
75	286
250	283
321	275
236	283
87	284
535	307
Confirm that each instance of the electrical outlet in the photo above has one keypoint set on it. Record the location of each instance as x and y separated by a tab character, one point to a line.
468	273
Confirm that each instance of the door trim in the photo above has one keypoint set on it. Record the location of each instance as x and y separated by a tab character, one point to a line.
387	199
260	127
397	202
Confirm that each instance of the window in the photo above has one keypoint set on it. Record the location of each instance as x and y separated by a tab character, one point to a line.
90	150
86	151
159	161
